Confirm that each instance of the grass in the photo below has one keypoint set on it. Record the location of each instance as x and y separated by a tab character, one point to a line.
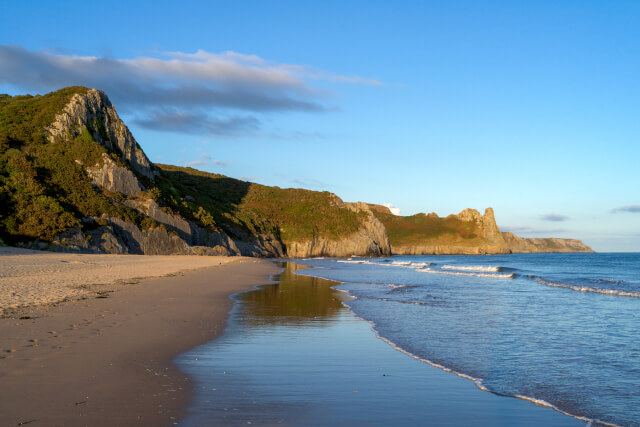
421	229
240	207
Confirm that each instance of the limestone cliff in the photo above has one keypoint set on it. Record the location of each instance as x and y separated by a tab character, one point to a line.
94	111
77	180
370	240
521	245
91	111
468	233
112	177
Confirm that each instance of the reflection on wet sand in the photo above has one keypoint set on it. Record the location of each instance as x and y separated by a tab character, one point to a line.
294	299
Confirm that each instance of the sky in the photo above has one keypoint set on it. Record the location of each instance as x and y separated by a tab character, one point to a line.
532	108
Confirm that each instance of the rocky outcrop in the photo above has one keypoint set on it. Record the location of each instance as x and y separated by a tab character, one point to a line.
488	239
155	241
93	110
114	178
99	240
517	244
486	224
370	240
201	238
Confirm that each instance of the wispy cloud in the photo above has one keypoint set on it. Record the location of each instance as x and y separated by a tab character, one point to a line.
631	208
198	123
202	92
205	156
554	217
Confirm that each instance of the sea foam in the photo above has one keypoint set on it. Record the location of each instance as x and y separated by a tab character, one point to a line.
582	288
460	273
472	267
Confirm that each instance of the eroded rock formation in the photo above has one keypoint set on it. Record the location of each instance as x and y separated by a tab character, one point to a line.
94	111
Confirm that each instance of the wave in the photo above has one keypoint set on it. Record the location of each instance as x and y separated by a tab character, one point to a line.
584	288
411	264
472	267
421	264
386	263
460	273
356	261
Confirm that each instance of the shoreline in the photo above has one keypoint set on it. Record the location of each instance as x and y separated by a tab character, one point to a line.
478	382
109	359
317	363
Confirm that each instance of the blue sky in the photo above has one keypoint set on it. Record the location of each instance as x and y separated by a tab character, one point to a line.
529	107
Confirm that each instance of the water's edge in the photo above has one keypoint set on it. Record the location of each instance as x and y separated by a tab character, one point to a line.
477	381
273	280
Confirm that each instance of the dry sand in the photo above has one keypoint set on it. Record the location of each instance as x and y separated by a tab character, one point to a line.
107	359
30	278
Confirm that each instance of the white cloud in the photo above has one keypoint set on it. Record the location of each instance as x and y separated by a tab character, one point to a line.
202	92
393	209
205	156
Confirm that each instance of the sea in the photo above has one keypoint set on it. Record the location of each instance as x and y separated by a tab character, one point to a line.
560	331
556	329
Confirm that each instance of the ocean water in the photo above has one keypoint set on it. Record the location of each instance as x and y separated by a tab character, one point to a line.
561	330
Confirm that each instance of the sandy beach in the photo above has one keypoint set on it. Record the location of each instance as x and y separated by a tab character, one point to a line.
105	356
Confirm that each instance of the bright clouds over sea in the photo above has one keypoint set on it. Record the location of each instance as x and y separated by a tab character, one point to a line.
528	107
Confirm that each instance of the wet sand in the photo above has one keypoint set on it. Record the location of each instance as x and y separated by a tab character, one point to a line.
295	355
107	360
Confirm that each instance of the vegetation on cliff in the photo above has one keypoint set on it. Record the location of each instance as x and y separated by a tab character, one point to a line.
44	189
72	174
421	228
239	206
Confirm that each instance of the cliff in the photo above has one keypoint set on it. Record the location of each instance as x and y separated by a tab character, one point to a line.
73	178
370	239
520	245
91	110
468	233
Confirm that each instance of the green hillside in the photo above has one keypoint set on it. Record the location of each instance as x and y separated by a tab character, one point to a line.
44	189
423	229
292	214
